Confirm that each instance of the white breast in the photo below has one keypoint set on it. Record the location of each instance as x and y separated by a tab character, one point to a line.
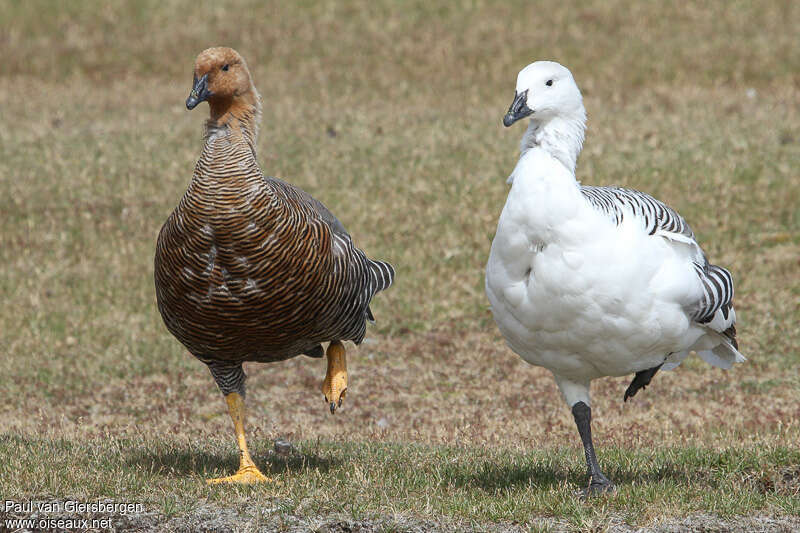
577	294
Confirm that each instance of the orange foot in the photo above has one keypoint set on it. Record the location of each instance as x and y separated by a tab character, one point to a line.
335	385
248	471
245	475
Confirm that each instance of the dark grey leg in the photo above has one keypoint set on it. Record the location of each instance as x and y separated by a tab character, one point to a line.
598	482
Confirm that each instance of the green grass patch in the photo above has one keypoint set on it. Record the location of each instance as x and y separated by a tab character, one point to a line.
363	479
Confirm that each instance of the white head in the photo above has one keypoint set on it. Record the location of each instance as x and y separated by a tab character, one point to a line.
545	90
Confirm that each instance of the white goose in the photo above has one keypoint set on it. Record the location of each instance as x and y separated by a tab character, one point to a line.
596	281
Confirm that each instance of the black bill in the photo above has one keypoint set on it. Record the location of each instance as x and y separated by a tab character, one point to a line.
519	109
199	92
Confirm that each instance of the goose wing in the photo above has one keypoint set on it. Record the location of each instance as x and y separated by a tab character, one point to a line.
715	306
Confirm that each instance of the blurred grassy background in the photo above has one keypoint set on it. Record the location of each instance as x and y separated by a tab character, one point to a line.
390	113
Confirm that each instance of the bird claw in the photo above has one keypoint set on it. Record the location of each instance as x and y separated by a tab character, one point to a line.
336	404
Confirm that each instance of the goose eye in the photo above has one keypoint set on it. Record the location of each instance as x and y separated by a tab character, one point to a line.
225	67
549	83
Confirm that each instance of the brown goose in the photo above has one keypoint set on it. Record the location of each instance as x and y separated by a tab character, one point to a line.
251	268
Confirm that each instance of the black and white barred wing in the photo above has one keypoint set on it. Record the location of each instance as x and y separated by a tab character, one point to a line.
714	309
658	218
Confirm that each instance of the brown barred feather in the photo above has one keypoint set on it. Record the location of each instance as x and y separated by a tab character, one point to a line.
251	268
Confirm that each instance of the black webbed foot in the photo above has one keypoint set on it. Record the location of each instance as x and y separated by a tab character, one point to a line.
640	381
598	486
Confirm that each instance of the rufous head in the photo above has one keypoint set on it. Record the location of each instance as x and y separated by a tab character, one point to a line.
220	75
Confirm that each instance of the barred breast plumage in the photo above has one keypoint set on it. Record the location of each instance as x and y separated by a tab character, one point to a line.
251	268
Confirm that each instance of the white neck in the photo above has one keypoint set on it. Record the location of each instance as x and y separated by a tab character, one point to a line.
561	137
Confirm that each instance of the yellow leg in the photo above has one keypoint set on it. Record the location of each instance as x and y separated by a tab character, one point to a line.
248	471
335	385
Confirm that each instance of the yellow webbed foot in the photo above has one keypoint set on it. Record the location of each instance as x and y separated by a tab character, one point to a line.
245	475
335	385
248	471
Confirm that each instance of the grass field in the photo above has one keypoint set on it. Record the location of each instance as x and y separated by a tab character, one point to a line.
391	114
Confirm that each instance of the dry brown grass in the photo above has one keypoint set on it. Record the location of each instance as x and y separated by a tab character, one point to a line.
441	387
390	114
